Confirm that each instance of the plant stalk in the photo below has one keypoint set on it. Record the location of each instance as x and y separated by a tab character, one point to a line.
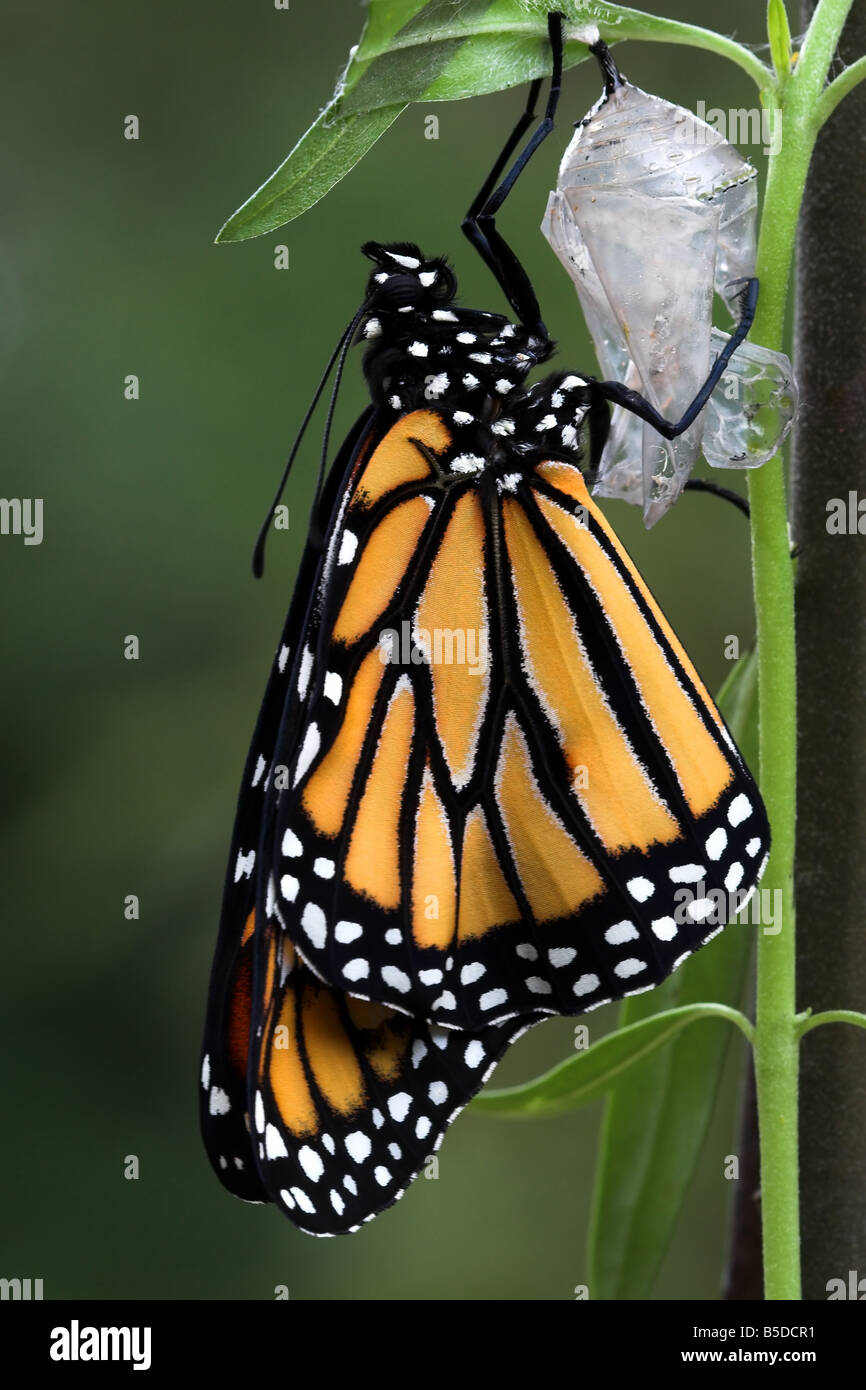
776	1031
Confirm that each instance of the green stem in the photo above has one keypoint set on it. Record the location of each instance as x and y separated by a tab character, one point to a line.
843	84
832	1016
777	1026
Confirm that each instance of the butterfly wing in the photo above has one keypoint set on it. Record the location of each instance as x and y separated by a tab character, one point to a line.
224	1112
545	827
351	1099
310	1097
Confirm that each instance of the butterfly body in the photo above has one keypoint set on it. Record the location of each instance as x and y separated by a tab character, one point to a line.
487	784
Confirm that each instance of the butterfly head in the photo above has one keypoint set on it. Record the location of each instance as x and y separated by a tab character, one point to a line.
424	347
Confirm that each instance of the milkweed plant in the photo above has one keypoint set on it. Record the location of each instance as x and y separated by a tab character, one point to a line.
659	1069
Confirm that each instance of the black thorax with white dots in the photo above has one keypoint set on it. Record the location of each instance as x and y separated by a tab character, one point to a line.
426	352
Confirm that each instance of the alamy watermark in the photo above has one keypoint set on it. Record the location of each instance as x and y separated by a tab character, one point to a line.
438	646
739	125
22	516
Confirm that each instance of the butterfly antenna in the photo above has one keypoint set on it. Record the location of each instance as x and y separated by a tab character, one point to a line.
339	354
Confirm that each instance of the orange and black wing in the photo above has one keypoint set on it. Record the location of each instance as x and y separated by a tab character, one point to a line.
310	1097
509	791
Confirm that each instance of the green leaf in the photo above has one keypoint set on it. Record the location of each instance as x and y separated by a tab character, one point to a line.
779	33
331	147
657	1118
592	1073
334	143
460	48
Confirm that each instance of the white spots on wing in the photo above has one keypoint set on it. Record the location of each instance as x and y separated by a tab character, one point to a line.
259	1113
536	985
395	1151
435	386
752	847
483	358
631	966
282	658
275	1146
547	422
292	846
462	417
467	463
303	1200
474	1054
561	955
422	1127
466	337
446	1000
443	315
739	810
350	1185
304	672
527	951
734	877
393	936
337	1202
287	1198
314	924
398	1106
244	864
205	1071
430	977
492	998
470	381
700	909
333	688
640	888
218	1101
509	482
419	1052
396	979
324	868
687	873
260	769
328	1143
472	972
569	436
503	386
621	932
311	1163
289	887
665	928
346	932
356	969
439	1038
358	1145
586	984
348	546
382	1176
502	427
309	749
418	349
438	1092
716	842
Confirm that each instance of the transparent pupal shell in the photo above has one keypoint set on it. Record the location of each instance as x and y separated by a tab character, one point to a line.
636	140
750	413
653	210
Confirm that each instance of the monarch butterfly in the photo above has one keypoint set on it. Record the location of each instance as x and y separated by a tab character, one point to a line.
431	855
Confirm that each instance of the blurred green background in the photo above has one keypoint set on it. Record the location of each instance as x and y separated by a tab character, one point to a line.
121	776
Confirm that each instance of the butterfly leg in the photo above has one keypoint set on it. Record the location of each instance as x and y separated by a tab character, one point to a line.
616	393
479	224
